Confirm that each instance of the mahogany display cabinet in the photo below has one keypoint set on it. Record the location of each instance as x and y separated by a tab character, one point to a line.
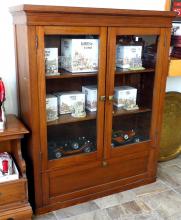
111	164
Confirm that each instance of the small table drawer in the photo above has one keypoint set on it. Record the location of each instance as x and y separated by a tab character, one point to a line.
13	192
22	213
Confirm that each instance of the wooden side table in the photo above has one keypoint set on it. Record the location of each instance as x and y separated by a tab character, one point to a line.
14	194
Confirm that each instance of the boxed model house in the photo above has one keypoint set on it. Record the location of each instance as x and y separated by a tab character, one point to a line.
79	55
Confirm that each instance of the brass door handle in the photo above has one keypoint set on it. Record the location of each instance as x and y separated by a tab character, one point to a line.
102	98
111	97
104	163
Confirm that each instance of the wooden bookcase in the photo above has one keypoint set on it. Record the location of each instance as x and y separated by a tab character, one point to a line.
108	168
14	194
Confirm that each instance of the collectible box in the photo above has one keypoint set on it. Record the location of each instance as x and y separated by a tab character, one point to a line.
51	61
70	102
128	56
90	97
79	55
125	96
51	107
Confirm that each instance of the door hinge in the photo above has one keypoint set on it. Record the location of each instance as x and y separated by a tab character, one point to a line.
40	156
165	40
156	138
36	41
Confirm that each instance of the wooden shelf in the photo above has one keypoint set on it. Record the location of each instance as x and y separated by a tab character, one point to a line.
67	118
65	74
127	71
118	112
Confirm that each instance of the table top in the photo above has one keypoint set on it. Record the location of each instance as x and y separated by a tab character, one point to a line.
14	127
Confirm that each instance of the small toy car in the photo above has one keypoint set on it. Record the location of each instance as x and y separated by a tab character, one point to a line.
59	149
121	137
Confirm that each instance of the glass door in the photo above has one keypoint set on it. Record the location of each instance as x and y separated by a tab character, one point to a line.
133	92
72	91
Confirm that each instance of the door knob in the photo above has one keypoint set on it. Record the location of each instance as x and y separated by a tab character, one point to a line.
104	163
111	98
102	98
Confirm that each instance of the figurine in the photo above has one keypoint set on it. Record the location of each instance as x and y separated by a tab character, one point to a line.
2	112
78	110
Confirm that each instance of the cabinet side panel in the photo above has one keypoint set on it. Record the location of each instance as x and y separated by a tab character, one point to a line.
160	93
29	107
23	73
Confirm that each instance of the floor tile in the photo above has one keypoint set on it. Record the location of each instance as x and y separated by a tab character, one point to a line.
128	210
178	189
152	188
151	216
175	161
166	204
115	199
76	210
49	216
94	215
170	175
176	216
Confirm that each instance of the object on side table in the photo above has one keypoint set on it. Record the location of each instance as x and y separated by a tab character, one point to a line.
8	169
2	111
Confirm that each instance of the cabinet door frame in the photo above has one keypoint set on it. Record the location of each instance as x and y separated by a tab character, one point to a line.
41	31
157	92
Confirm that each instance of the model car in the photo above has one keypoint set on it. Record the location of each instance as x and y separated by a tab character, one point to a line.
65	148
121	137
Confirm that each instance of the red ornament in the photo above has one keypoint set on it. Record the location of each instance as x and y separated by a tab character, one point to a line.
2	91
5	166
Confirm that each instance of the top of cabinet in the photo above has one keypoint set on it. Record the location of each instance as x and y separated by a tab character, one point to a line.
40	15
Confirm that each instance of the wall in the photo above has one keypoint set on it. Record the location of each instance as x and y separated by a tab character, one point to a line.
174	84
7	56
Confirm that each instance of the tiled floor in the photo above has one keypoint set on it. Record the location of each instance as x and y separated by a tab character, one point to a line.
157	201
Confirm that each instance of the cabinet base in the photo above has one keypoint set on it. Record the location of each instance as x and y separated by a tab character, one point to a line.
88	197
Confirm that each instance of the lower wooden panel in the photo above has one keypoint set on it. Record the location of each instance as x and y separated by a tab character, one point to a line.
22	213
61	188
58	205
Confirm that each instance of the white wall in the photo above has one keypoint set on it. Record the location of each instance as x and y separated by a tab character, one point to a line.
174	84
7	57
